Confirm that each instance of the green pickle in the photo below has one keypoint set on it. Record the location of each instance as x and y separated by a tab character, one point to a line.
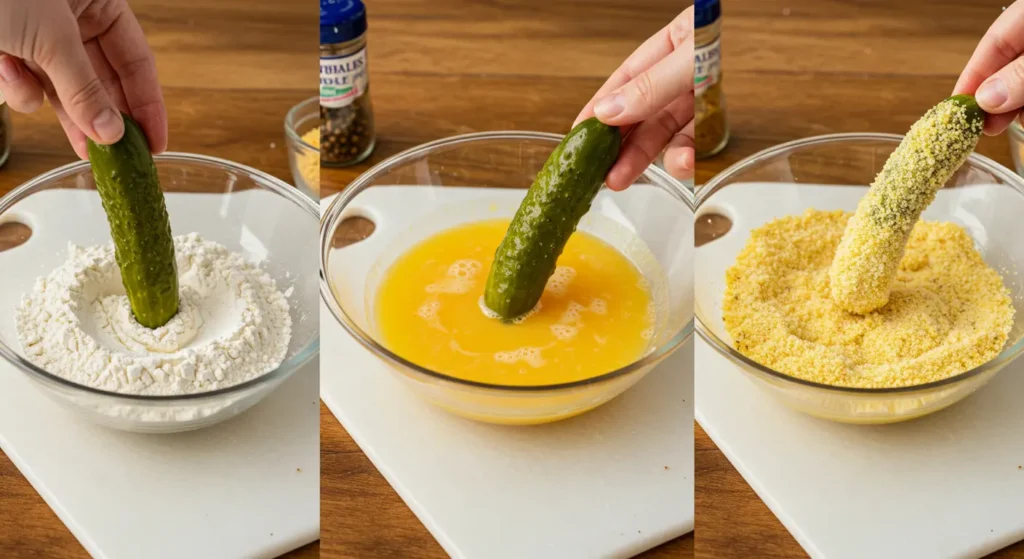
868	256
558	198
129	188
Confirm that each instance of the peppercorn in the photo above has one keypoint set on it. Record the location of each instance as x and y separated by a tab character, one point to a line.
346	114
345	133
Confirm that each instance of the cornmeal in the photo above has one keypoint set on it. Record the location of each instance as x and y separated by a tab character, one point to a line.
309	163
869	255
948	312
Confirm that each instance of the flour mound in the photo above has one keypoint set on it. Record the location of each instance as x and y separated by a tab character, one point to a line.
233	324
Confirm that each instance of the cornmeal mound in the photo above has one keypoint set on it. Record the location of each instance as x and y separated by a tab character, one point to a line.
948	312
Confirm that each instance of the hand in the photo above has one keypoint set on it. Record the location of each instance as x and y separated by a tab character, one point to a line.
90	59
995	72
650	97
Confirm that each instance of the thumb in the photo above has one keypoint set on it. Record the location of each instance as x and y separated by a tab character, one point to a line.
81	93
1003	91
650	92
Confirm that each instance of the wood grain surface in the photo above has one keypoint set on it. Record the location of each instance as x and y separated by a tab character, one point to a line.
799	68
231	69
451	67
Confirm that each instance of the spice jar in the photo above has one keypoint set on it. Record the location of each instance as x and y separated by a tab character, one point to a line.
5	131
346	114
710	123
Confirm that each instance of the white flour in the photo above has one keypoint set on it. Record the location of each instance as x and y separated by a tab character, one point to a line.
232	325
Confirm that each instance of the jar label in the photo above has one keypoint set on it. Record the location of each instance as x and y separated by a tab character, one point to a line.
342	79
707	67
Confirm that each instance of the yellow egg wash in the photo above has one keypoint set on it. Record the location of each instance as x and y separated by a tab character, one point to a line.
596	313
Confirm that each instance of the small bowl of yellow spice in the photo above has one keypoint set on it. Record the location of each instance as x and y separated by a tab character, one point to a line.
302	135
766	292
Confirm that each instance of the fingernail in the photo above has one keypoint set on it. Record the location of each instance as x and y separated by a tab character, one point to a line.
108	126
992	94
686	160
9	69
609	107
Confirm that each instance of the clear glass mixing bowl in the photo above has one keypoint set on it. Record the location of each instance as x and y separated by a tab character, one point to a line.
1016	135
248	211
408	197
832	172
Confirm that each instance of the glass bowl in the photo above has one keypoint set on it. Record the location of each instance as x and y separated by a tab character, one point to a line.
414	194
249	212
303	158
1016	134
5	131
832	172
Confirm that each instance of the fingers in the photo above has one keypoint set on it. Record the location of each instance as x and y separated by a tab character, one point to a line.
647	55
680	157
105	72
995	124
646	141
1003	91
75	136
63	58
648	93
124	46
1002	95
1002	43
108	77
20	88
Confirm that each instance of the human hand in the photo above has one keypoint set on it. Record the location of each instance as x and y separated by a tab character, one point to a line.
650	97
90	58
995	72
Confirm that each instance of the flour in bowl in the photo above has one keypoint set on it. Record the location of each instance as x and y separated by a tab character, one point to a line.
233	324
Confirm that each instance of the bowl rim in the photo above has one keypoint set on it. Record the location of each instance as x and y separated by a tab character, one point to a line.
342	199
291	118
718	182
267	181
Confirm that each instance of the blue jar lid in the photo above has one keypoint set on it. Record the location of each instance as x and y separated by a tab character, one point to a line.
341	20
705	12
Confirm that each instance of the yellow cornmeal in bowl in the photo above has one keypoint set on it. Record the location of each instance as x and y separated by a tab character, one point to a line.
948	312
309	162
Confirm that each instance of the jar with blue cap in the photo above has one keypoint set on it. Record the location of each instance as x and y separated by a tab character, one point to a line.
711	132
346	114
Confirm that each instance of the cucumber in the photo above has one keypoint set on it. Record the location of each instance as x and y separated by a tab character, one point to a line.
867	259
127	182
556	201
975	116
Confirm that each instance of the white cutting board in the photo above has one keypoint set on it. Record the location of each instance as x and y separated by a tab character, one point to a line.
246	488
949	485
610	483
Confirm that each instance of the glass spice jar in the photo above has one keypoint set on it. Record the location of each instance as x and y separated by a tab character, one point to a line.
5	131
710	122
346	115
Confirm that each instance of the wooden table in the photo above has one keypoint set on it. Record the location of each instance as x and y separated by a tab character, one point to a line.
798	68
231	69
450	67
